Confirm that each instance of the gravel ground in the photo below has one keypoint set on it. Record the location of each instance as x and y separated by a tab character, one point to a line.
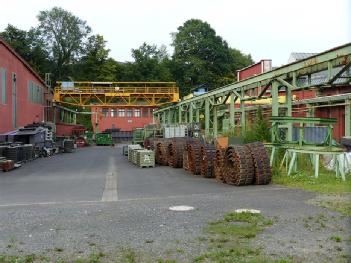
141	220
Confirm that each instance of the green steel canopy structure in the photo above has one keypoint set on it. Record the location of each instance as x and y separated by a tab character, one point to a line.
324	70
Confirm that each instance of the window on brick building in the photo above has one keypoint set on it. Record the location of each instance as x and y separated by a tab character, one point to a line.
121	112
105	112
137	113
129	113
113	112
146	112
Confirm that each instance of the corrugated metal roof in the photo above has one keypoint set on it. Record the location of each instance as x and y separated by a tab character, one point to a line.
296	56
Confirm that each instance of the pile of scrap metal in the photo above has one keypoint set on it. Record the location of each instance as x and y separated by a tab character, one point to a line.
39	135
64	144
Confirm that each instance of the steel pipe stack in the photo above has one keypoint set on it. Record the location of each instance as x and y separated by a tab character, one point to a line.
207	155
238	166
262	171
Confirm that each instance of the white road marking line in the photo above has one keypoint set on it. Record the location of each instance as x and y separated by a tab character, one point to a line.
110	191
139	199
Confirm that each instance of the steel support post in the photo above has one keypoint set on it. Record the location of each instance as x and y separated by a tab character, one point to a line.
310	114
347	118
232	111
164	118
207	116
179	114
191	115
242	113
197	117
186	116
275	99
215	122
288	103
169	118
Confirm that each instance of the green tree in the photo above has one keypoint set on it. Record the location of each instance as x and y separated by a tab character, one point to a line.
64	35
240	60
200	56
150	64
95	65
29	46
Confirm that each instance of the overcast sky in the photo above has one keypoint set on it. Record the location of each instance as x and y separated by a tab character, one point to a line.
267	29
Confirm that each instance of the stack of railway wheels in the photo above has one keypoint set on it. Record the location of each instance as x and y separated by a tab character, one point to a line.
218	165
194	158
238	166
207	155
175	152
161	157
263	173
186	154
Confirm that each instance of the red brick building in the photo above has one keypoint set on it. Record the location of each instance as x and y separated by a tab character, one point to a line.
24	97
123	118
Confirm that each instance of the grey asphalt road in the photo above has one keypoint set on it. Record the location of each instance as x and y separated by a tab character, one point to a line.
94	199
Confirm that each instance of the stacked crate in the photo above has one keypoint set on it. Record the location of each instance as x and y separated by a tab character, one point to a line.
131	147
145	158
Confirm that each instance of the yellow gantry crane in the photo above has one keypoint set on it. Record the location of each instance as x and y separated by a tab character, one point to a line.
112	94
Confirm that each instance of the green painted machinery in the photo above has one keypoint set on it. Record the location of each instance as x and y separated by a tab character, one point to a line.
103	139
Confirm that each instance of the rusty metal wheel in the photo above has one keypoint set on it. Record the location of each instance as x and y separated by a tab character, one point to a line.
207	155
238	166
263	172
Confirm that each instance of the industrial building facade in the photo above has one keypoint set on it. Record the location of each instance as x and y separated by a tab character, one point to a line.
24	97
123	118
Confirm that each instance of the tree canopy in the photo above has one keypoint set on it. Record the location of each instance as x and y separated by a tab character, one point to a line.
62	44
64	35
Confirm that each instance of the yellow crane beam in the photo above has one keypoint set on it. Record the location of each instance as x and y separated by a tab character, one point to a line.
114	94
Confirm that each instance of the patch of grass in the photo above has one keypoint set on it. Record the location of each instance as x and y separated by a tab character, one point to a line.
342	206
229	239
336	238
23	259
325	183
127	255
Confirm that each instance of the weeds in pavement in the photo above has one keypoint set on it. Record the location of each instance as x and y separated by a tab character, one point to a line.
229	239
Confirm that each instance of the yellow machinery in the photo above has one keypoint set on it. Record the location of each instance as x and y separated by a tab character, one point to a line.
105	94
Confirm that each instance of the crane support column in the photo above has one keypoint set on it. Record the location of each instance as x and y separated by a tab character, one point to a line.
207	116
347	118
215	121
242	113
191	116
179	114
232	111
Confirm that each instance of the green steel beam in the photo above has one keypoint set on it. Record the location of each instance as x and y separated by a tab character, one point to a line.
348	118
275	98
215	121
232	111
197	117
207	116
179	114
191	114
242	113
